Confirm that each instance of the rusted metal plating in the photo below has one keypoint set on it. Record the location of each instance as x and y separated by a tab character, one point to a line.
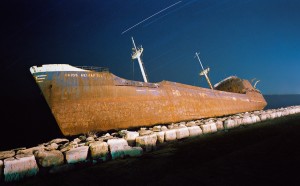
87	101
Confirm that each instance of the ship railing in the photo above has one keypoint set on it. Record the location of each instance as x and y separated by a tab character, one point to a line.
94	68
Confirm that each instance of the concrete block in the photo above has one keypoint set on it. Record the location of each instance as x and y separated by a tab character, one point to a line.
238	121
291	111
59	141
170	135
76	155
182	132
147	142
90	139
133	151
263	117
213	127
219	125
144	132
49	158
32	150
229	124
205	128
99	150
160	136
247	120
191	123
117	147
194	131
285	113
255	119
273	115
209	128
6	154
156	128
130	136
21	166
163	128
1	169
52	146
279	113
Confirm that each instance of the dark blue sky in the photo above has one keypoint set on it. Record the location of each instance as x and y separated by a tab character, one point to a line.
251	39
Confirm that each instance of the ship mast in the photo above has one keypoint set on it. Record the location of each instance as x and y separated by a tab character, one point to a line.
137	52
204	72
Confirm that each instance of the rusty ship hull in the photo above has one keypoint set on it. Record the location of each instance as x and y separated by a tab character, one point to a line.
86	100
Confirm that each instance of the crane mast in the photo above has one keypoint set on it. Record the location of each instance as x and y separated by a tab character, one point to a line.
204	72
136	54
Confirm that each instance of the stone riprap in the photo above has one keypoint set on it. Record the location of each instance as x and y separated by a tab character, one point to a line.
147	142
99	150
76	155
49	158
194	131
20	166
63	154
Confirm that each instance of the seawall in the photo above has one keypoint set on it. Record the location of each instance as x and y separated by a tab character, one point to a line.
60	155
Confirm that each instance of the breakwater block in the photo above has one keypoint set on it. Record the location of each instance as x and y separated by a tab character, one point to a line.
238	121
182	132
160	136
6	154
49	158
219	124
117	147
209	128
99	150
147	142
229	123
255	119
170	135
1	168
30	151
130	136
76	155
194	131
19	167
263	117
247	120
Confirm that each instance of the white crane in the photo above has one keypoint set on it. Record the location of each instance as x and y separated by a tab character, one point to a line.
136	54
204	72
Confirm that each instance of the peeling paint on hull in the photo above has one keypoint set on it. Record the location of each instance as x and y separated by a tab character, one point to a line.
83	101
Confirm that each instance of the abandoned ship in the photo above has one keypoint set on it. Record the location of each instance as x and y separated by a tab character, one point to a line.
85	99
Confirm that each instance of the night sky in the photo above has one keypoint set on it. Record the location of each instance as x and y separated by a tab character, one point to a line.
250	38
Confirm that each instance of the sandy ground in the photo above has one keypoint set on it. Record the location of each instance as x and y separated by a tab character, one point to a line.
267	153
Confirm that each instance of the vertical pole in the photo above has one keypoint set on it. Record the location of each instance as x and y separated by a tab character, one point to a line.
199	60
133	43
204	72
142	69
138	53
